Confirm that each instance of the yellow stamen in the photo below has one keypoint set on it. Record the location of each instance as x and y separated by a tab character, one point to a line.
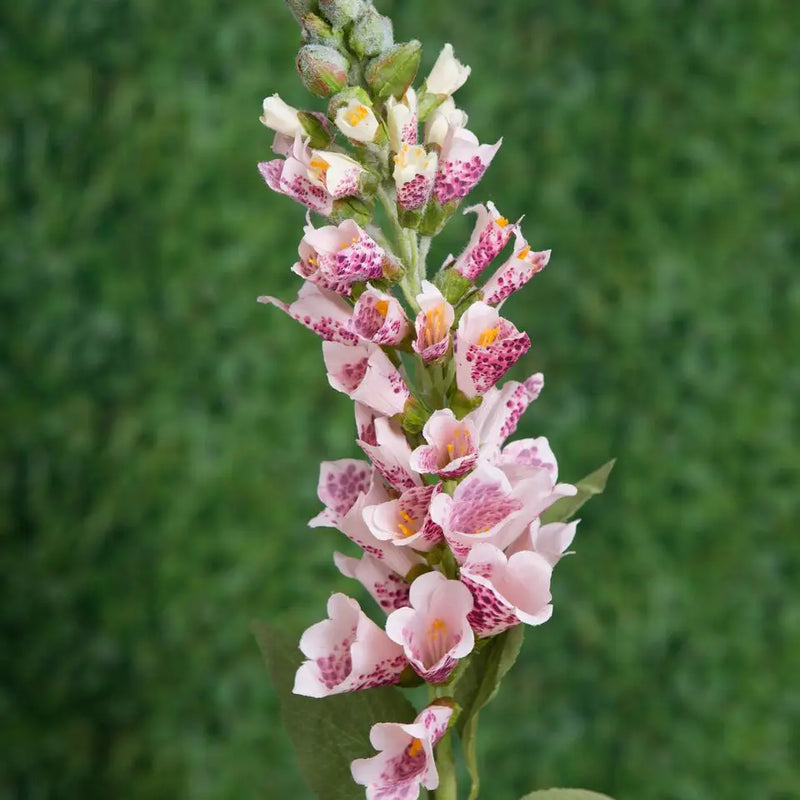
437	626
522	255
319	164
406	516
356	115
415	748
501	222
405	530
382	307
487	337
435	329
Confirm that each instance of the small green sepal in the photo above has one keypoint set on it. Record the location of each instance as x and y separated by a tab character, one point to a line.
452	284
356	208
318	133
391	73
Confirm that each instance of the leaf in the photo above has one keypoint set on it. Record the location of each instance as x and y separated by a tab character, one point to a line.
594	483
565	794
327	733
477	686
391	73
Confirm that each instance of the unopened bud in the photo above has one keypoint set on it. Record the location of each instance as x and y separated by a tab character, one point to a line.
372	34
315	127
317	31
340	12
301	7
322	69
415	415
390	74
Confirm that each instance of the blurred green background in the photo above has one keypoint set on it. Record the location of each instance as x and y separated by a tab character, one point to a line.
161	432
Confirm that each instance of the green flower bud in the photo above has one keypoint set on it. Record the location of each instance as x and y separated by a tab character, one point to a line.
340	12
301	7
415	415
371	35
317	31
391	73
314	128
322	69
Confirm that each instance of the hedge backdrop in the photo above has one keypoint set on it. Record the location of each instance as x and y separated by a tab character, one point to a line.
161	432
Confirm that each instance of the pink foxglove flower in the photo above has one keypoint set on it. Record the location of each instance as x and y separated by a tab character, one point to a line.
346	652
462	162
452	446
406	520
486	347
357	121
414	174
446	116
406	759
514	273
434	630
337	256
389	451
507	591
295	177
549	541
380	318
365	374
388	589
433	323
401	120
320	311
448	73
340	485
490	235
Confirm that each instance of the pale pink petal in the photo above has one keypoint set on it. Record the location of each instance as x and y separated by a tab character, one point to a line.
388	589
341	483
550	541
490	235
321	311
290	177
530	453
390	454
365	374
346	652
486	347
507	591
434	630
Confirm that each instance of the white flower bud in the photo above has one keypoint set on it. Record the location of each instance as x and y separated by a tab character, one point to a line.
401	120
448	73
446	116
280	117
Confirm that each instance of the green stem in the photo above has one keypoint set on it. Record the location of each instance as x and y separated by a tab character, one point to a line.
445	765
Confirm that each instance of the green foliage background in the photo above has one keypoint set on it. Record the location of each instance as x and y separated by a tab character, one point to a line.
161	432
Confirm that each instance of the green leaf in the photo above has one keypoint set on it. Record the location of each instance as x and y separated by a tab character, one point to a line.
594	483
565	794
477	686
391	73
327	733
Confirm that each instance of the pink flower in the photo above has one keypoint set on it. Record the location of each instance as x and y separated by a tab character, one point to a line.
320	311
406	759
549	541
514	273
346	652
380	318
452	448
364	373
433	323
406	521
486	347
497	416
490	235
388	589
337	256
434	630
462	163
506	591
388	449
314	178
414	174
529	454
342	491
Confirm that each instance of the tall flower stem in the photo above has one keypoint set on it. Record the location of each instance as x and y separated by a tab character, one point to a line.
445	765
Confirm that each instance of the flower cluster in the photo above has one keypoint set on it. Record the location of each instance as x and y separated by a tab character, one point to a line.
445	509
